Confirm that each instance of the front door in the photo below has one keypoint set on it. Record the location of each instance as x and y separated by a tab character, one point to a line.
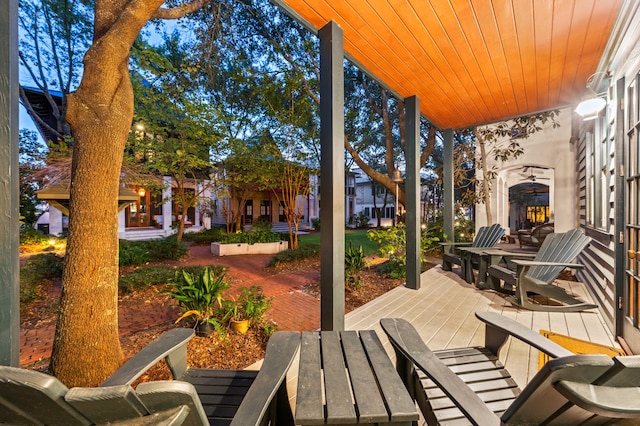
138	211
631	285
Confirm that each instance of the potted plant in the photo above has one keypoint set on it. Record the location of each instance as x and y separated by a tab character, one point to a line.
201	296
249	308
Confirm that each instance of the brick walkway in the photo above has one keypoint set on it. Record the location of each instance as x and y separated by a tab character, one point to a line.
291	308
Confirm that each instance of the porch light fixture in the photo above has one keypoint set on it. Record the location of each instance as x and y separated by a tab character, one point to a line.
590	108
142	192
396	177
593	103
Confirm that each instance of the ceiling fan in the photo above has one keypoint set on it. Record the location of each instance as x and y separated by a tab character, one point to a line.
530	176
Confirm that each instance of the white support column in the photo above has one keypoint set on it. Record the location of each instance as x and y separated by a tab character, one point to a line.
166	205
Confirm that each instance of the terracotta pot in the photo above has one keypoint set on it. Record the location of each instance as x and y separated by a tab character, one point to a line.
240	326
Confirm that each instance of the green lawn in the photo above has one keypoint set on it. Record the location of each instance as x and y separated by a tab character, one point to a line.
356	237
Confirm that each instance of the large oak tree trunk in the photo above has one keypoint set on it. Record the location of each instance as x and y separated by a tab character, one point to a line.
86	347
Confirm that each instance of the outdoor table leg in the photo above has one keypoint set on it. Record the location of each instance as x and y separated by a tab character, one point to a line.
486	260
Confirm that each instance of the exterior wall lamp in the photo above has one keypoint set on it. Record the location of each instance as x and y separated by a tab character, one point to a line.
590	107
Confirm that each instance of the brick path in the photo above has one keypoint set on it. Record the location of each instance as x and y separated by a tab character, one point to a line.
291	309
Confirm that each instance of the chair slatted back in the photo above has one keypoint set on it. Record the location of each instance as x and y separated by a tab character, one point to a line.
577	388
45	395
33	398
560	248
488	236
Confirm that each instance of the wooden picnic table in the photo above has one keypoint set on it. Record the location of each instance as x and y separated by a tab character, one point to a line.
346	377
485	257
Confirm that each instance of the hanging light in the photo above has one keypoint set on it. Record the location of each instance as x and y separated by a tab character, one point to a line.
396	177
592	103
142	192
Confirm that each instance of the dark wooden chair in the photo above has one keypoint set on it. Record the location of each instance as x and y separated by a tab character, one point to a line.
471	386
486	237
535	277
196	397
535	237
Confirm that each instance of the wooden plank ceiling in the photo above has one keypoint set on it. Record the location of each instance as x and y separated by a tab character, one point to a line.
472	61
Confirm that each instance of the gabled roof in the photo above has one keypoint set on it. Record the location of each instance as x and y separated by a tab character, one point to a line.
472	61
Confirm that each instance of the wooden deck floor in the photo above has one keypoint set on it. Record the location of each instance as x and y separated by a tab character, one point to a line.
443	313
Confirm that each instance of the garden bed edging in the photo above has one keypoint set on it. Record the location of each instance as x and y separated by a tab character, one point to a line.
219	249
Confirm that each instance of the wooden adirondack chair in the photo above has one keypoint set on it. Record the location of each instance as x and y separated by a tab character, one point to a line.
471	386
486	237
196	397
537	275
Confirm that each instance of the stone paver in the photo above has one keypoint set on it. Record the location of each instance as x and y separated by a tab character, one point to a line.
291	309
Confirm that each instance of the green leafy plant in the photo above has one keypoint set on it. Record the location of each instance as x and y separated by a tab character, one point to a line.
353	264
206	236
251	305
201	296
315	222
152	275
392	243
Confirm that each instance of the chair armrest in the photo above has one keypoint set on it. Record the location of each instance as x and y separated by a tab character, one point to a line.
171	345
409	345
522	262
500	327
279	355
606	401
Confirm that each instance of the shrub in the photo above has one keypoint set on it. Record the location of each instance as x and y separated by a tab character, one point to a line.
206	236
166	248
307	251
251	237
315	222
35	270
133	253
432	235
139	252
30	235
353	264
392	243
261	225
361	220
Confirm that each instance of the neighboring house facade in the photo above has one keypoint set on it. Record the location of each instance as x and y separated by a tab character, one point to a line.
370	197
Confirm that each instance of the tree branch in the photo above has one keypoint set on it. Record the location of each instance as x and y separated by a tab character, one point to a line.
180	11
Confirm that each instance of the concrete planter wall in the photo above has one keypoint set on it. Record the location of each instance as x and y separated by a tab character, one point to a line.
219	249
